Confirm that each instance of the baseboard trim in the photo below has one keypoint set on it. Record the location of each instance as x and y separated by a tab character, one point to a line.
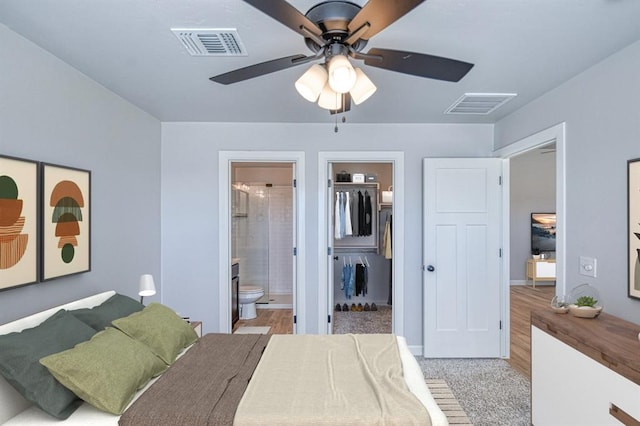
416	350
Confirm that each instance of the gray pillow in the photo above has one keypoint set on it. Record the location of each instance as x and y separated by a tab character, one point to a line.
19	361
99	317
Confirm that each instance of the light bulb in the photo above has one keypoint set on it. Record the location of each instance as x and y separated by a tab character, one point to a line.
310	84
363	88
329	99
342	76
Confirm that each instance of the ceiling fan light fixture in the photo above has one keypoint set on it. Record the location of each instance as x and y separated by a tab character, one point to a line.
311	83
342	76
363	89
329	99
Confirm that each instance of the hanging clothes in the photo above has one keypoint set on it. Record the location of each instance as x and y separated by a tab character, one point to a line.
387	239
337	235
368	212
361	279
353	199
347	215
360	214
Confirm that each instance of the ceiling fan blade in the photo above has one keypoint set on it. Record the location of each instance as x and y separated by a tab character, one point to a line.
379	14
418	64
283	12
262	68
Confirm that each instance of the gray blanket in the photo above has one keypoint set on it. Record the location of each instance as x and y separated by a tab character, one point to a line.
204	386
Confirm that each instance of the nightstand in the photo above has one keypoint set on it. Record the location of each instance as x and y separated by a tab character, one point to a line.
541	270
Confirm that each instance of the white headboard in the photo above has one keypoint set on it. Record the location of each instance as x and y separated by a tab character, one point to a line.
11	402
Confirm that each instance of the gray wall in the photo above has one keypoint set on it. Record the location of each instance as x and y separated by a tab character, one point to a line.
190	199
50	112
533	189
602	119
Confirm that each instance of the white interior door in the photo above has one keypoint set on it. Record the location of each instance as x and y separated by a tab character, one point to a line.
462	257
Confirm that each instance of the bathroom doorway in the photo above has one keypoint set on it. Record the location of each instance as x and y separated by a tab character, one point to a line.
259	236
262	229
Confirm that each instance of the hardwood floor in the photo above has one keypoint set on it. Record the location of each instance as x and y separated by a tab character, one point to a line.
524	299
280	321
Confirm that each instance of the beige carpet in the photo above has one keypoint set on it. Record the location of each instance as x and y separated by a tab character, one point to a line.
447	402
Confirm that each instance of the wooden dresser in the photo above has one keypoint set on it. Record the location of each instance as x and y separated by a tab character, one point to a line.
584	371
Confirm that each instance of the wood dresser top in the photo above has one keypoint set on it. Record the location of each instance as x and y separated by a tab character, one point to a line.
607	339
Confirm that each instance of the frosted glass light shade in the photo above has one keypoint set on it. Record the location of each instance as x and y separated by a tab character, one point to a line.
310	84
329	99
363	88
342	76
147	286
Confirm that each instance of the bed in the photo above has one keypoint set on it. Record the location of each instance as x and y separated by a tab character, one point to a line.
295	379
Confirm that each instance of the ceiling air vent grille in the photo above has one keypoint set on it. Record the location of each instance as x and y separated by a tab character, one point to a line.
479	103
211	42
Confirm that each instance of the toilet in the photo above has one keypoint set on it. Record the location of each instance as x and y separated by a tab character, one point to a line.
247	297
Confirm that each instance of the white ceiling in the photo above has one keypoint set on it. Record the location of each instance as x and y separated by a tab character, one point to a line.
526	47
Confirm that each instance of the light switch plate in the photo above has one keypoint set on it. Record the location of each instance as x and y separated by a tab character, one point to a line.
588	266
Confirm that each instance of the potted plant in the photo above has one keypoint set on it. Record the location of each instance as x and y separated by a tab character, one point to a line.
535	253
585	307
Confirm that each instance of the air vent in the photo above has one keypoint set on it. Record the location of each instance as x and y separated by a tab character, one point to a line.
479	103
211	42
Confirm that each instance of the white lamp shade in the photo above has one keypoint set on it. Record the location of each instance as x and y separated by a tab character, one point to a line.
342	76
310	84
147	286
363	88
329	99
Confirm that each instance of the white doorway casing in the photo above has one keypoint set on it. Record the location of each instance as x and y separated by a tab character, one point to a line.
326	242
555	134
224	274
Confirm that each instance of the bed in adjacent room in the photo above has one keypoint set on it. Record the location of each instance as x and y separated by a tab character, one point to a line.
217	379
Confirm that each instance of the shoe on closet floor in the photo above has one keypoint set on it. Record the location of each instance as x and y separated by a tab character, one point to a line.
374	307
367	308
353	307
359	308
345	308
338	308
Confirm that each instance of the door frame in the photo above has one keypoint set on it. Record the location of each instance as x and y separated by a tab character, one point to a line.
396	158
555	134
225	158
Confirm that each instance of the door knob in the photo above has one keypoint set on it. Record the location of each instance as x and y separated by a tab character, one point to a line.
430	268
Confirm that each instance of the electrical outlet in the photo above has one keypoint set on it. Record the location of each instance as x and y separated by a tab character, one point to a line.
588	266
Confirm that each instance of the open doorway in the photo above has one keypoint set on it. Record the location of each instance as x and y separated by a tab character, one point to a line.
362	220
259	237
385	169
549	142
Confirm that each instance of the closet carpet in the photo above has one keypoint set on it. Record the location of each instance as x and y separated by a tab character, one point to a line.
365	322
490	391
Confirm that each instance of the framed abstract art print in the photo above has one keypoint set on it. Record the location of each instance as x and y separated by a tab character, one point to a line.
18	222
66	221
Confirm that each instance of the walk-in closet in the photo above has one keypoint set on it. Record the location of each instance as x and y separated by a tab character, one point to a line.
362	212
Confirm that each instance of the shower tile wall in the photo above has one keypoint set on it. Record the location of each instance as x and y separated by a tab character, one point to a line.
281	240
264	240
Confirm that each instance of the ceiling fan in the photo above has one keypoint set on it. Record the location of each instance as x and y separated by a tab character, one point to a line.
335	30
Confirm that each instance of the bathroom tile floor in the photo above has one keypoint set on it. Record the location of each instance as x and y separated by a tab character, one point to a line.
280	321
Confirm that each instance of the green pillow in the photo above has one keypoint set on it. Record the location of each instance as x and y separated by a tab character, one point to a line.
117	306
106	371
161	329
19	355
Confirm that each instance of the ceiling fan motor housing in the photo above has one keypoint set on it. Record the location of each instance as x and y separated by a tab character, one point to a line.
333	18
